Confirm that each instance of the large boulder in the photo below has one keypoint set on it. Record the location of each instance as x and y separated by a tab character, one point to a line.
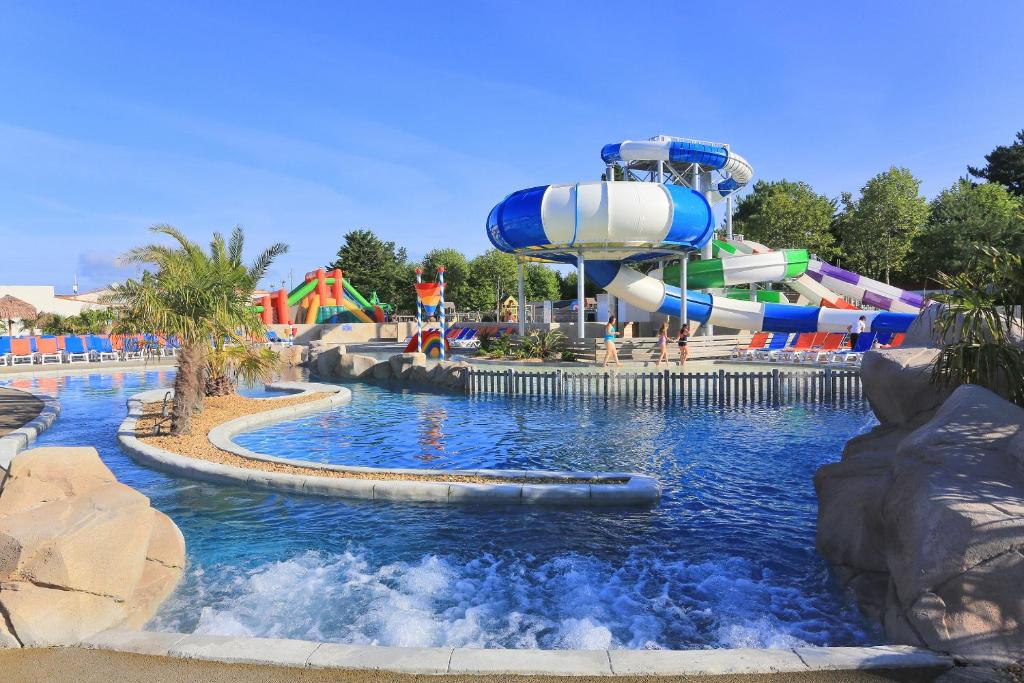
293	355
402	363
79	551
898	384
355	366
939	512
382	371
324	358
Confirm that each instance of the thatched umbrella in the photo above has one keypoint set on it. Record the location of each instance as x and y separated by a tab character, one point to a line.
12	308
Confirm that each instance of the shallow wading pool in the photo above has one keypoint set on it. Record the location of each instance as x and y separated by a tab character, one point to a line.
726	560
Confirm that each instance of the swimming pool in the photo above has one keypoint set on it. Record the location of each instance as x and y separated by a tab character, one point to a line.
726	560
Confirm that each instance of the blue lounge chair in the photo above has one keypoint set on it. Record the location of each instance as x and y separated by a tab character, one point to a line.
101	348
75	349
777	343
5	351
853	356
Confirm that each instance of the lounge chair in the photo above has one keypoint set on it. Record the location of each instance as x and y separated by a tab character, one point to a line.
802	342
75	349
757	343
893	343
854	355
47	350
467	339
131	348
777	343
5	351
101	348
21	351
832	343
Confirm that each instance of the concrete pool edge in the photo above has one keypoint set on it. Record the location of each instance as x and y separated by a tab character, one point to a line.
19	439
469	661
638	489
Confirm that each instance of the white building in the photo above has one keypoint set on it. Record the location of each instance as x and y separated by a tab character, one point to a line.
45	300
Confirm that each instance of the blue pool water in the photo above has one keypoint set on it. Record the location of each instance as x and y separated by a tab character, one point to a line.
726	560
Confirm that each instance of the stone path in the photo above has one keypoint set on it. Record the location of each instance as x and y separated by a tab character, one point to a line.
16	408
97	666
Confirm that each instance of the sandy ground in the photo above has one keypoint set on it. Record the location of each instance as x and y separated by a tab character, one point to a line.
220	409
16	408
96	666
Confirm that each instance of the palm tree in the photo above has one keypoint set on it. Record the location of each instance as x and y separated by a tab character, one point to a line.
205	300
980	326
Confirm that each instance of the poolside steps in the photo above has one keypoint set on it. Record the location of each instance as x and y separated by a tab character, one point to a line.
664	387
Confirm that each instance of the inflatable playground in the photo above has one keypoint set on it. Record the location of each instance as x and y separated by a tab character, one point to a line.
321	298
663	211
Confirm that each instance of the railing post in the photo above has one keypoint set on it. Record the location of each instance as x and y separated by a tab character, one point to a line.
775	387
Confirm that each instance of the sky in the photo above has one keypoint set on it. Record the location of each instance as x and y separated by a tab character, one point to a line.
301	121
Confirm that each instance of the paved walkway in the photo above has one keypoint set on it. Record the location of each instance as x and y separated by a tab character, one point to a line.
692	366
99	666
83	368
16	408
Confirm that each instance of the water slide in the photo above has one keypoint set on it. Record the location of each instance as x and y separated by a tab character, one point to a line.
617	223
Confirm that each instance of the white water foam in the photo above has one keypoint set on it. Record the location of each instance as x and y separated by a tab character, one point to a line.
569	601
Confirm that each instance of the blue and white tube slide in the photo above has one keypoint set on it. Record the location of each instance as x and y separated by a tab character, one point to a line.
615	223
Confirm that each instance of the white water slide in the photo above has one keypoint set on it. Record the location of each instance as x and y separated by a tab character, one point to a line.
613	224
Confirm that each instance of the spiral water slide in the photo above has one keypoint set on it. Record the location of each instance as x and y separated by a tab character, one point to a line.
613	224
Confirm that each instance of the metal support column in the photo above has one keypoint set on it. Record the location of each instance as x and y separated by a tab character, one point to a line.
522	299
419	314
440	279
580	299
728	217
661	172
684	313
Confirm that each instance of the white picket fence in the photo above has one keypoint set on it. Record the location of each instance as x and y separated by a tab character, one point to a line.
775	387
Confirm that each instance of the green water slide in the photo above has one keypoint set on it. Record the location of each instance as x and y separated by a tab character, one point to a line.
714	273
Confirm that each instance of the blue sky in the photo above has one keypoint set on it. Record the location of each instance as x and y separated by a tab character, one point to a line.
301	121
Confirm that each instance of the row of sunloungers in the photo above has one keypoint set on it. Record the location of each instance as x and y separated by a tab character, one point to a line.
469	337
86	348
814	347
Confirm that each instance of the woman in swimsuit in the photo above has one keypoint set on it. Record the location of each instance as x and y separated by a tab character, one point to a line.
609	343
662	344
682	339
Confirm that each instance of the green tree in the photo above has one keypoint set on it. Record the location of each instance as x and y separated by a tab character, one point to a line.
204	299
492	277
456	273
567	286
784	214
1005	165
540	282
373	265
877	229
962	218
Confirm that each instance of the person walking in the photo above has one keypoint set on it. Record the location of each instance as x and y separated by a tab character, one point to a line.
662	344
857	329
610	353
682	340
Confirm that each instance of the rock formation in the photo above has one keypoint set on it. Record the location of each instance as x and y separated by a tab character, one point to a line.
79	552
403	369
924	516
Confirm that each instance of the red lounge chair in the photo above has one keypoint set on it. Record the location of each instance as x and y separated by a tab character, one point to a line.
832	343
757	343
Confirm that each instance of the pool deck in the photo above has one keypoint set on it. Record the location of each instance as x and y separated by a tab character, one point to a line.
56	369
98	666
181	656
17	408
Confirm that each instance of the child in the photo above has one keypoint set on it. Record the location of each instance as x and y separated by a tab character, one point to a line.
682	339
662	344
